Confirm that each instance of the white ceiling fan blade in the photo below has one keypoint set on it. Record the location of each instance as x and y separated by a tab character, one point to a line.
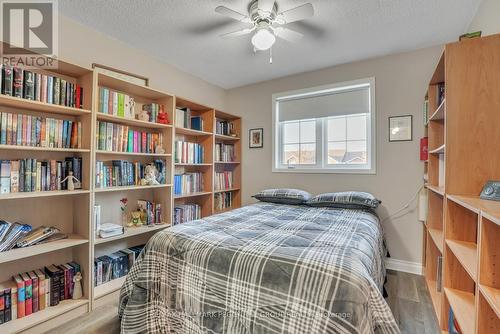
266	5
223	10
296	14
237	33
288	34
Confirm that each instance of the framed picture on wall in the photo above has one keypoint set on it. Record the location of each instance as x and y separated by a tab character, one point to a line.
401	128
256	138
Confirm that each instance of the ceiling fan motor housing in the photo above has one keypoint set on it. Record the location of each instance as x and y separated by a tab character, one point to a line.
259	16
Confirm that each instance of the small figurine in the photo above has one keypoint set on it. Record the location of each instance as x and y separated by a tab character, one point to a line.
70	178
159	149
77	289
163	116
150	173
131	107
136	218
143	115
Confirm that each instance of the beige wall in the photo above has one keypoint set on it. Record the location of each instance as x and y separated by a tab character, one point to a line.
83	46
487	18
401	82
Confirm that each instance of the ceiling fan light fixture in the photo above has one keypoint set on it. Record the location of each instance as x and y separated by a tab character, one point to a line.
263	39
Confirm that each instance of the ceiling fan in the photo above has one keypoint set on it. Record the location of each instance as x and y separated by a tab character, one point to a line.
267	23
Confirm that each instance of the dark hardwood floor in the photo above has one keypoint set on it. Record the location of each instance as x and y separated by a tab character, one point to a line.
408	298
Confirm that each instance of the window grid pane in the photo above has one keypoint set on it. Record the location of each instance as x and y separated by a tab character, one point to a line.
299	142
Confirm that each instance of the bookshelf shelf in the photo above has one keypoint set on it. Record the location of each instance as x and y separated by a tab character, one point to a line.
48	313
226	190
203	193
108	287
193	165
437	237
227	162
43	149
131	122
226	138
438	190
439	150
15	102
435	295
492	296
462	304
132	231
25	252
128	188
466	253
133	154
191	132
439	114
36	194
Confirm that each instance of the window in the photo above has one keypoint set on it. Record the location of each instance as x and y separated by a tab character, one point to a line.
325	129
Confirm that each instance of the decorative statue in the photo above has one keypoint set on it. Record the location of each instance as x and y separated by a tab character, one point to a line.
163	116
136	218
71	179
150	174
77	290
143	115
159	149
131	106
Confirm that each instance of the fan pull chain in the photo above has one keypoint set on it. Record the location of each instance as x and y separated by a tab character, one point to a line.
271	55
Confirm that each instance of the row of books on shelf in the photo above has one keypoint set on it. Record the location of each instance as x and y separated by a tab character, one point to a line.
17	235
225	128
36	290
188	183
28	130
223	180
28	175
184	119
188	153
186	212
115	265
123	105
120	138
225	152
223	201
116	173
18	82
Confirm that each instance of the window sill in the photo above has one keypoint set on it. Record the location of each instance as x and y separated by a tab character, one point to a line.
325	171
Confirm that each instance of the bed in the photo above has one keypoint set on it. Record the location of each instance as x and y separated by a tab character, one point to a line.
263	268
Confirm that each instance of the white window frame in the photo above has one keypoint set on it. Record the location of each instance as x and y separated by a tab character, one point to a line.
322	165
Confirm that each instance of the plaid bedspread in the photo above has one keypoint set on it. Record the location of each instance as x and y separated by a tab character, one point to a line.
264	268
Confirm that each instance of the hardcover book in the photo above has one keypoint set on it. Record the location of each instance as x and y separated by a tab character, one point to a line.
8	78
28	290
21	296
17	84
34	289
29	85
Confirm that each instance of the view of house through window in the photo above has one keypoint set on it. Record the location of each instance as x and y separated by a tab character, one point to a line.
325	129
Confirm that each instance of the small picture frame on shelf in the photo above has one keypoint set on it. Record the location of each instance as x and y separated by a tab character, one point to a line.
400	128
256	138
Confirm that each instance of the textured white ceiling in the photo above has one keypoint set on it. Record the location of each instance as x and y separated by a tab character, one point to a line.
184	33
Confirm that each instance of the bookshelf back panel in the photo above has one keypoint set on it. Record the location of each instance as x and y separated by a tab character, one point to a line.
455	276
204	201
489	273
435	216
58	211
110	203
117	245
42	260
431	259
461	223
488	321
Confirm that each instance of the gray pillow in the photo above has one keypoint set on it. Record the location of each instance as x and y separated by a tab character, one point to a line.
345	199
283	196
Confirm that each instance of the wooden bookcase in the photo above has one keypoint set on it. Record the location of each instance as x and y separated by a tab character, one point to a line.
208	138
463	155
72	211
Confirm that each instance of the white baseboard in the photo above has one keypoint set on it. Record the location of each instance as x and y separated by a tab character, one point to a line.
405	266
